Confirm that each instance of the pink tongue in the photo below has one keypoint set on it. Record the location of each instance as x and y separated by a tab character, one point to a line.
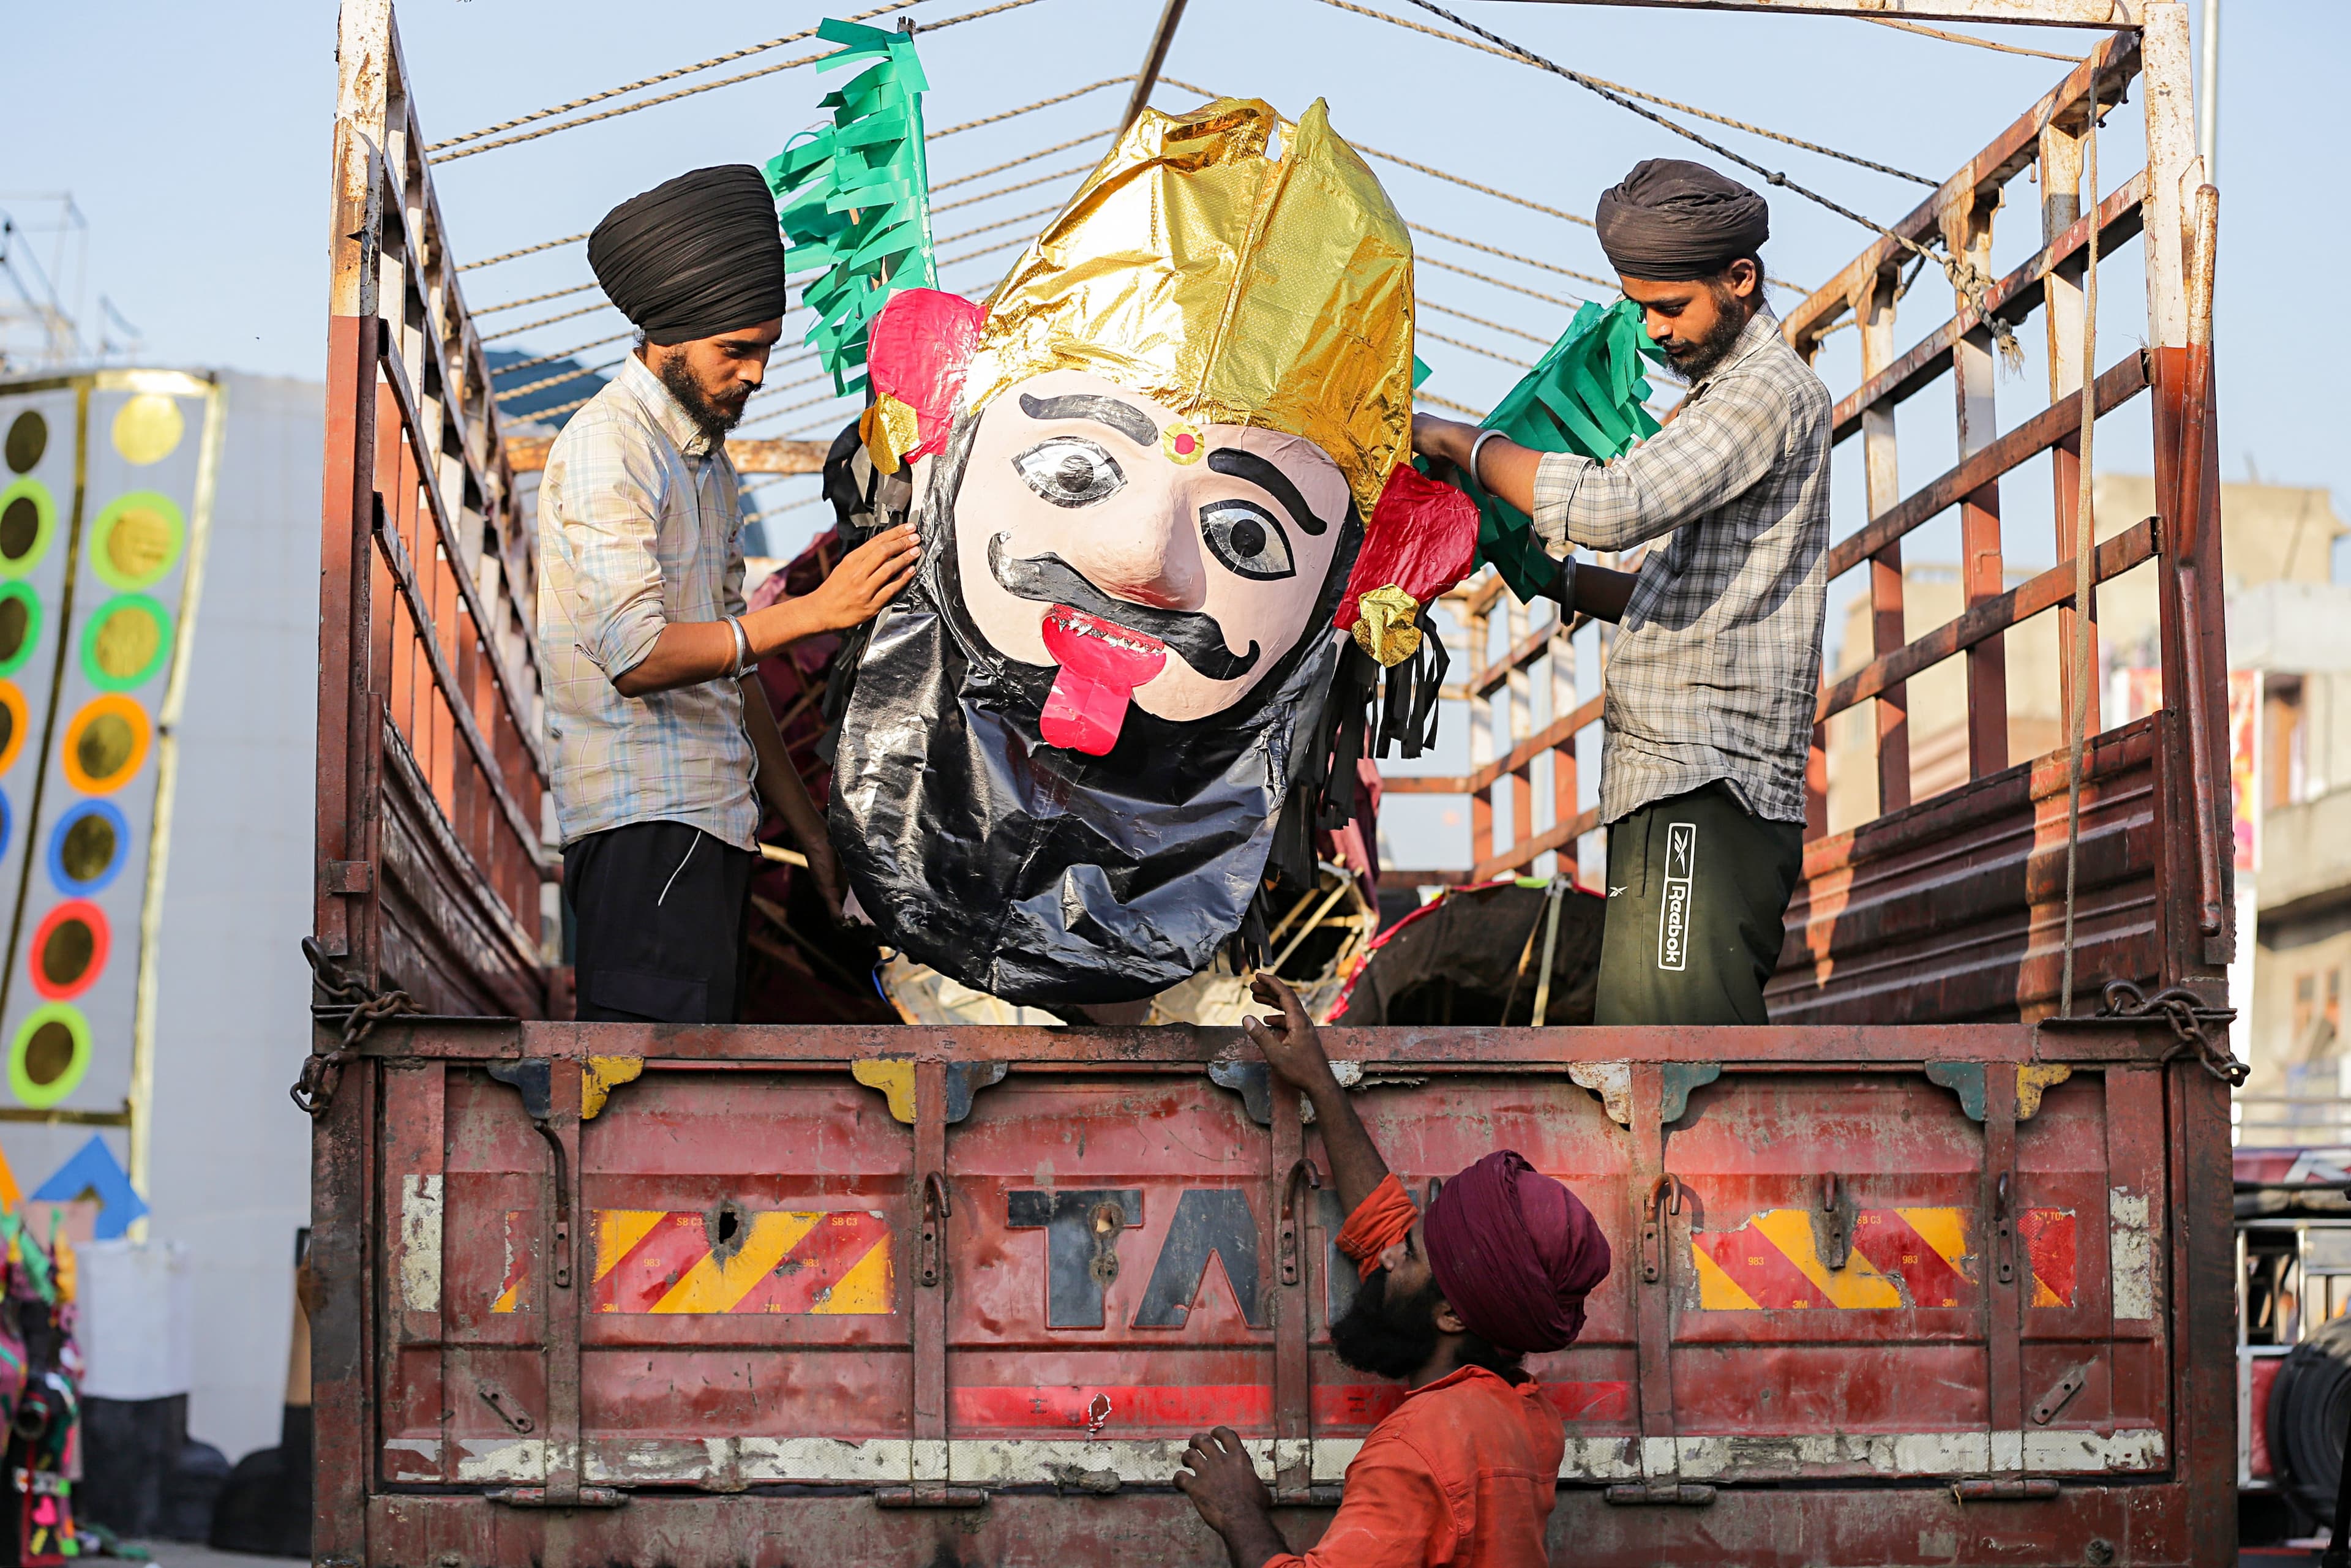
1084	711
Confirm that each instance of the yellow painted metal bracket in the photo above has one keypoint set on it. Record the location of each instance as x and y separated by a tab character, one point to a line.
600	1075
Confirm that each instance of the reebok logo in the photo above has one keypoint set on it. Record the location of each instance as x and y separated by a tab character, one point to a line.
1673	914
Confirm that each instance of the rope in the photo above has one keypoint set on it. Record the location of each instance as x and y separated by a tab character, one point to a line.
999	223
984	250
532	364
1499	283
533	299
1428	304
1474	185
2084	549
1028	108
1477	414
1007	190
527	250
1617	90
1474	348
1978	42
546	321
1965	277
540	416
705	87
1024	158
545	382
713	62
1513	256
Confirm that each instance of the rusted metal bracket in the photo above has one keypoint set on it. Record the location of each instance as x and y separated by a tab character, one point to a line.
937	1207
2061	1394
1286	1244
1676	1080
1661	1494
1665	1197
2003	1230
533	1078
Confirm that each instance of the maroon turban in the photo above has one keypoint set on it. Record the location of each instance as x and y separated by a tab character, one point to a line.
1515	1253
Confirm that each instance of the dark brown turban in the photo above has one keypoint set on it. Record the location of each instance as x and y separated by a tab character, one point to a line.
694	257
1515	1253
1670	221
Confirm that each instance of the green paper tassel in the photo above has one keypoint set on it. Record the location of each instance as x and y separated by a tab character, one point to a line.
854	198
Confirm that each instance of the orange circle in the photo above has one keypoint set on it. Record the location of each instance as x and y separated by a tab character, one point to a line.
12	716
105	745
68	950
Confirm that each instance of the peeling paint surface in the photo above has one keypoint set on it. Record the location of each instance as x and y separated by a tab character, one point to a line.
1613	1081
420	1243
2133	1254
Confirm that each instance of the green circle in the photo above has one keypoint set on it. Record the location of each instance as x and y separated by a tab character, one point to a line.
20	625
49	1055
29	517
28	437
136	540
116	624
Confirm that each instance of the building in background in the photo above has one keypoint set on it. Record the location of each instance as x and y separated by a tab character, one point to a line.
158	668
2290	663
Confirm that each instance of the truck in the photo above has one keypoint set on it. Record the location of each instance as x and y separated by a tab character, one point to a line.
1935	1269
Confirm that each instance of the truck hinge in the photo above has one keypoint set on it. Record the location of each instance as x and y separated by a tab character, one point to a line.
930	1494
2024	1488
1661	1494
554	1496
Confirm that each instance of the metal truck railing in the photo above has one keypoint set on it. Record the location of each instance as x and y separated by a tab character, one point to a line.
1953	906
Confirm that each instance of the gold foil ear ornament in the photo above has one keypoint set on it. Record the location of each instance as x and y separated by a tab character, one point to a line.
1387	625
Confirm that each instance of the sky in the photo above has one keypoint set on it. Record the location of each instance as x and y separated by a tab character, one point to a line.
197	141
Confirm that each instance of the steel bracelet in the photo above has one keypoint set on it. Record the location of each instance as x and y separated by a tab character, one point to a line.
742	649
1477	449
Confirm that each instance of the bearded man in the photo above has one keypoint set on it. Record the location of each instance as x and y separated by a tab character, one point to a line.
661	731
1465	1470
1712	680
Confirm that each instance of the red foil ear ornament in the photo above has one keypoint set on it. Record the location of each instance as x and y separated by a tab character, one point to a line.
1423	538
916	350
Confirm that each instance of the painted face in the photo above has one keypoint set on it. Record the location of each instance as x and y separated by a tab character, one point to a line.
1156	563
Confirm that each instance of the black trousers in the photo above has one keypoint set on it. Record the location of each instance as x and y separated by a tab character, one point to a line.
657	911
1697	902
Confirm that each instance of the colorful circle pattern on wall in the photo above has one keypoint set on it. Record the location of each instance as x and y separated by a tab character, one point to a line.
13	722
20	625
147	428
29	519
123	643
105	743
28	438
69	949
49	1054
87	849
135	541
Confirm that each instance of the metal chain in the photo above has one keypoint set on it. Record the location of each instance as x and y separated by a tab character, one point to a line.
1965	278
2190	1021
323	1071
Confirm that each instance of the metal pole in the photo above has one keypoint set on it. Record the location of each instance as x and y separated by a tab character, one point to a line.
1160	37
2208	93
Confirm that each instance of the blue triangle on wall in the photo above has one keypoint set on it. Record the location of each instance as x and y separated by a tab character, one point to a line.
95	1172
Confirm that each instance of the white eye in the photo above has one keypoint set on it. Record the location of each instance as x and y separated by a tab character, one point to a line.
1245	538
1069	471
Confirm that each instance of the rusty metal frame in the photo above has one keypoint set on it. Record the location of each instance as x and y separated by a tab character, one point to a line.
432	768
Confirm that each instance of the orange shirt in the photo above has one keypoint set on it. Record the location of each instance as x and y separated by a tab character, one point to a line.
1461	1475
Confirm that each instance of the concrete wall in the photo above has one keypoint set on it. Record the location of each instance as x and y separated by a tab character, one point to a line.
231	1154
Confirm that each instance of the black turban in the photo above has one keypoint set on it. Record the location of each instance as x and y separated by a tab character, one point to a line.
694	257
1670	221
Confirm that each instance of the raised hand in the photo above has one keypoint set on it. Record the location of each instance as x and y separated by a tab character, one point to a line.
867	579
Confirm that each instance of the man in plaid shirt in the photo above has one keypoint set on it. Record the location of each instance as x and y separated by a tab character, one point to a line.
1712	679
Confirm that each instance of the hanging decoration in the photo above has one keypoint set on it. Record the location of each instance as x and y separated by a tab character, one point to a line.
854	197
1586	395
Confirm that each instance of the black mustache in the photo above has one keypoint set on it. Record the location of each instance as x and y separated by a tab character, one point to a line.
1053	581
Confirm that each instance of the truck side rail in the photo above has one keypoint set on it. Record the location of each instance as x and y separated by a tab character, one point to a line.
433	874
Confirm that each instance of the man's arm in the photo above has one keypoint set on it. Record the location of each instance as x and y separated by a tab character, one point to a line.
1294	1050
780	785
1717	447
1393	1514
690	651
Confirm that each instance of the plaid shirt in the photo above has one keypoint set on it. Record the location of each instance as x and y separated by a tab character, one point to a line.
640	524
1715	668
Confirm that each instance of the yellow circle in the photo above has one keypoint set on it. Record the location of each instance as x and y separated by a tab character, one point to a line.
105	745
12	724
148	428
127	641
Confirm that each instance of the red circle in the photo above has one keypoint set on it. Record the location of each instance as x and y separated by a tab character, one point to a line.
92	917
1183	444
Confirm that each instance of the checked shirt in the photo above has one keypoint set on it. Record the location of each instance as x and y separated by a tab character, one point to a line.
640	524
1715	668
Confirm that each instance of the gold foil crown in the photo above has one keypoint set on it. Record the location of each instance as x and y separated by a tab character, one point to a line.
1230	286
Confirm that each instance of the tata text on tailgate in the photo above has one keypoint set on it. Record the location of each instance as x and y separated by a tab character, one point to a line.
1930	1270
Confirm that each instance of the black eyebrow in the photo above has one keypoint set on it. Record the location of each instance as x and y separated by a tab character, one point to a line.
1101	409
1249	466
